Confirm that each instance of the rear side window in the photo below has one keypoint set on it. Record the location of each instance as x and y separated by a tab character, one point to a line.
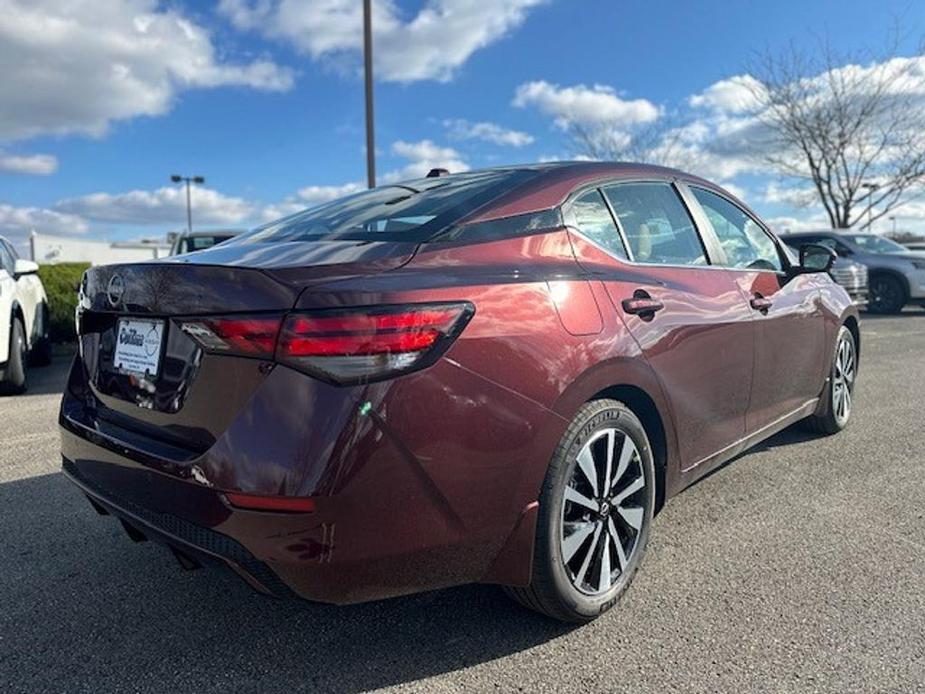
411	211
592	218
745	243
656	224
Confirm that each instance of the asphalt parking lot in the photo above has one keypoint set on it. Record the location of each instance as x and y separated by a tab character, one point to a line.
799	567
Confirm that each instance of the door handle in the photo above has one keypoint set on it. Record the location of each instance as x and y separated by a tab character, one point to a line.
761	303
641	304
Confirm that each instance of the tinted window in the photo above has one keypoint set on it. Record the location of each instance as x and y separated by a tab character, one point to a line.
6	259
592	218
745	243
405	212
656	224
876	244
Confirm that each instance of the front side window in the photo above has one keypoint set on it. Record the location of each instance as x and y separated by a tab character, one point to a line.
745	243
656	224
592	218
6	259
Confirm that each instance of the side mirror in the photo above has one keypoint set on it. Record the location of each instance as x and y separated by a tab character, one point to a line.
816	258
24	267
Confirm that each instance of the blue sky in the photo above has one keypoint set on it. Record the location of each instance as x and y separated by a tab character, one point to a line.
105	99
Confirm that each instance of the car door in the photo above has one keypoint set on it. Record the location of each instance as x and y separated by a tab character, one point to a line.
7	291
790	355
27	290
687	316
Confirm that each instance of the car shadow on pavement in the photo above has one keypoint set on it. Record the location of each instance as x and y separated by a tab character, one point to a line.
47	380
85	609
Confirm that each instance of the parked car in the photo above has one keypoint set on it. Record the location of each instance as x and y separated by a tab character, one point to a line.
200	240
915	245
849	274
496	376
896	274
23	320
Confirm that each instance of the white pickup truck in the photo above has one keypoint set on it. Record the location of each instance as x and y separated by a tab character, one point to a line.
23	319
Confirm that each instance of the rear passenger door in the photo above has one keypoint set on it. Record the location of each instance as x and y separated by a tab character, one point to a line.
790	358
686	314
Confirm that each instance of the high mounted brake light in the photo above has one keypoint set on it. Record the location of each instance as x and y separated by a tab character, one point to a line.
370	343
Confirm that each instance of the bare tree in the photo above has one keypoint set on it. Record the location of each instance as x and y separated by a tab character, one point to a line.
656	143
853	131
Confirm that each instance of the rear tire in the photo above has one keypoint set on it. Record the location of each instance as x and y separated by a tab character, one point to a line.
596	508
839	392
887	295
14	378
40	354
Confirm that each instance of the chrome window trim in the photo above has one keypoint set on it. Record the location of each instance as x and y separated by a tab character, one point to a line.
711	248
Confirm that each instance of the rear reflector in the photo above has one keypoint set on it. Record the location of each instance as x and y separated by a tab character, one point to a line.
370	343
284	504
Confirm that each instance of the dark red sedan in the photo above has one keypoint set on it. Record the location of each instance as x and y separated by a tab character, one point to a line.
496	376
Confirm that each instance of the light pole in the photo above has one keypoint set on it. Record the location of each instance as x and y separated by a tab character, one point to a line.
368	76
893	219
176	178
871	188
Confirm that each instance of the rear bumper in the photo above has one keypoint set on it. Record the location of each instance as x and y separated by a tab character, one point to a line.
192	544
398	508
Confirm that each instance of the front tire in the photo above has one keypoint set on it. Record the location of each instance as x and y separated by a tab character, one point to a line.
887	295
840	389
14	379
596	509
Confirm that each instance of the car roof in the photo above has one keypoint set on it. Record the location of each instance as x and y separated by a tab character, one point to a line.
555	180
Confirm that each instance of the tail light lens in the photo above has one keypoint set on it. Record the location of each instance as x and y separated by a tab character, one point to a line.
342	346
246	336
372	343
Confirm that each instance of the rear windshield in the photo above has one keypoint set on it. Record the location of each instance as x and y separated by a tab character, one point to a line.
410	211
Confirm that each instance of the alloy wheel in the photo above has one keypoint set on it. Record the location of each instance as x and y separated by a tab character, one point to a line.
843	378
603	511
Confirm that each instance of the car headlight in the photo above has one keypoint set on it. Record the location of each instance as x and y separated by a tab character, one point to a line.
919	264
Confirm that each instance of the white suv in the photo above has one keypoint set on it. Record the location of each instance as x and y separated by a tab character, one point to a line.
23	319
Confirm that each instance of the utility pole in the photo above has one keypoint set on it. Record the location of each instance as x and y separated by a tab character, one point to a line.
176	178
871	189
368	75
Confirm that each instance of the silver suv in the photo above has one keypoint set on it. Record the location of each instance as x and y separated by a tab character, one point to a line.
896	274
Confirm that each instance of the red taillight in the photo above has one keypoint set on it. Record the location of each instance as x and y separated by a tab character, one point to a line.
258	502
370	343
342	346
249	336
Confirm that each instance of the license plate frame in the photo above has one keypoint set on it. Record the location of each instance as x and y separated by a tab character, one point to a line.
139	346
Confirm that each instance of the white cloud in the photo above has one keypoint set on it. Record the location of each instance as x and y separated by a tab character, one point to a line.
315	195
35	164
423	156
74	67
733	95
595	106
461	129
306	197
431	45
19	221
164	206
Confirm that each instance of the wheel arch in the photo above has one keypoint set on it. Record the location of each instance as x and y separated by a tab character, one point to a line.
644	407
851	322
